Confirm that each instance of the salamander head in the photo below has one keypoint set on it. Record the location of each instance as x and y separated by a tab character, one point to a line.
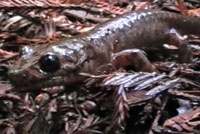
46	67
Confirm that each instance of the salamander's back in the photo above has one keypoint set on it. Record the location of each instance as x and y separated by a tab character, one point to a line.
141	29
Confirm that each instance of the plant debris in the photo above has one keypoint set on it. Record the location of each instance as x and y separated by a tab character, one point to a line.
121	102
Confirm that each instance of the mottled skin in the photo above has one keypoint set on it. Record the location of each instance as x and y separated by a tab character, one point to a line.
142	29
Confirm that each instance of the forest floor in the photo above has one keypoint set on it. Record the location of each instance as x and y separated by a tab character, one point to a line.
122	102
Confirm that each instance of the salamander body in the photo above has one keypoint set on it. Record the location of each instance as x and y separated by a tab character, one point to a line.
86	52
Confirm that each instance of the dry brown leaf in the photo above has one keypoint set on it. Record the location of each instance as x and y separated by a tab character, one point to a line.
140	5
194	12
181	6
67	1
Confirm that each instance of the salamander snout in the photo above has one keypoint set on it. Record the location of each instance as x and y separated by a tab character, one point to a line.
23	77
16	77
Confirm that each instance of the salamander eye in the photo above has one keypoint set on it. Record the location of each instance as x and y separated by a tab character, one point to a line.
49	63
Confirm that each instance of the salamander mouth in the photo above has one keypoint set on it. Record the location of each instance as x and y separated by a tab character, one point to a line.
25	81
47	83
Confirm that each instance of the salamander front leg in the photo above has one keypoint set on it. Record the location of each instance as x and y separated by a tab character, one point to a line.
132	57
184	52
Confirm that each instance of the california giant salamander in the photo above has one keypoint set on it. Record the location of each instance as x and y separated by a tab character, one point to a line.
59	64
